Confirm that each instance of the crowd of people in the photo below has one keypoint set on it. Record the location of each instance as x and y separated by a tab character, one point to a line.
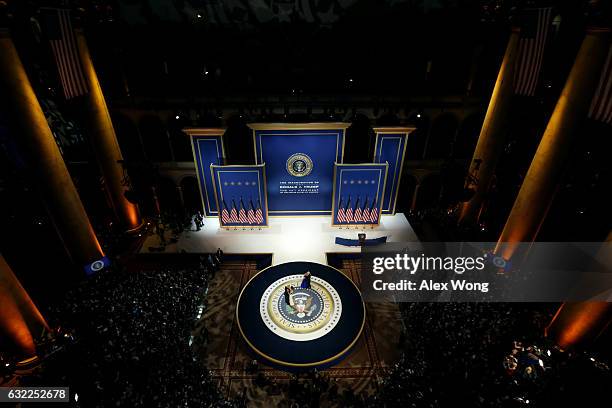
131	342
131	338
458	354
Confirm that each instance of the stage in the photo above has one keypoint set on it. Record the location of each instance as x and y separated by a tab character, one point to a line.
287	238
313	328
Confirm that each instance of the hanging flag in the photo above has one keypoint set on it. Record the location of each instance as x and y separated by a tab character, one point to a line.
233	213
242	217
365	213
225	217
251	213
341	216
349	211
373	213
357	215
259	214
601	106
535	26
58	29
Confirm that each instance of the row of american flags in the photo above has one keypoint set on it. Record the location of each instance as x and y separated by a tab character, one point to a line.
241	214
366	213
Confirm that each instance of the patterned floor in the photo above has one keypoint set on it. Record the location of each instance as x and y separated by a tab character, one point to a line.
226	355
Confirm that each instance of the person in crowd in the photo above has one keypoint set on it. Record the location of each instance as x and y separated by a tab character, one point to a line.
199	220
160	229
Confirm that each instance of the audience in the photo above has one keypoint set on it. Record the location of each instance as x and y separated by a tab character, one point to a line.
132	334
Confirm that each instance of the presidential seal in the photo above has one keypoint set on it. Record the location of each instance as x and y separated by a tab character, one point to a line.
299	165
311	312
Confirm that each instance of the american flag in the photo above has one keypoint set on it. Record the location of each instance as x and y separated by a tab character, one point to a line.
251	213
349	211
357	215
373	213
225	217
601	106
242	217
233	213
365	214
341	217
259	214
535	26
58	29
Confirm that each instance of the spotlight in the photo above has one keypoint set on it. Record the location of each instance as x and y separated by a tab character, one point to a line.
177	117
418	115
199	15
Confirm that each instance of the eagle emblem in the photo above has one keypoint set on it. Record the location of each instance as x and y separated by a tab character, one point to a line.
299	165
302	304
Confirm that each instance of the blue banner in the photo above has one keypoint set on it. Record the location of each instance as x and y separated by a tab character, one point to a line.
299	162
208	149
358	193
355	242
241	195
390	148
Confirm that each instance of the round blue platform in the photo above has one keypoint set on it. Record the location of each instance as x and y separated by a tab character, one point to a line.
316	329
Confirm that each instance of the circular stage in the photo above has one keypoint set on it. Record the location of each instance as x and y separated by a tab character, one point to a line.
319	326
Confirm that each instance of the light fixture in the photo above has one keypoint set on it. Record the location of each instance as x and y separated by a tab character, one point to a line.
177	117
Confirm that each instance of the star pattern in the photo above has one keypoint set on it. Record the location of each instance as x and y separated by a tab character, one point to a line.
358	181
240	183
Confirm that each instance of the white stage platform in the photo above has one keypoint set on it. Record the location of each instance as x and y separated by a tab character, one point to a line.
287	238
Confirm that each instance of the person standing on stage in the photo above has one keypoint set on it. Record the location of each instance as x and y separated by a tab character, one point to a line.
288	291
306	281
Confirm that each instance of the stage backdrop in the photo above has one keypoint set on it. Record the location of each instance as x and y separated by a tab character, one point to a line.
299	162
241	195
207	145
358	193
390	148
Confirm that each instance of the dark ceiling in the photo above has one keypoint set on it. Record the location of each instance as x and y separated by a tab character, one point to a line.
371	48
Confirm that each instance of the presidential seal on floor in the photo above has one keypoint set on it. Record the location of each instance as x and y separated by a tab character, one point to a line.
308	314
299	320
